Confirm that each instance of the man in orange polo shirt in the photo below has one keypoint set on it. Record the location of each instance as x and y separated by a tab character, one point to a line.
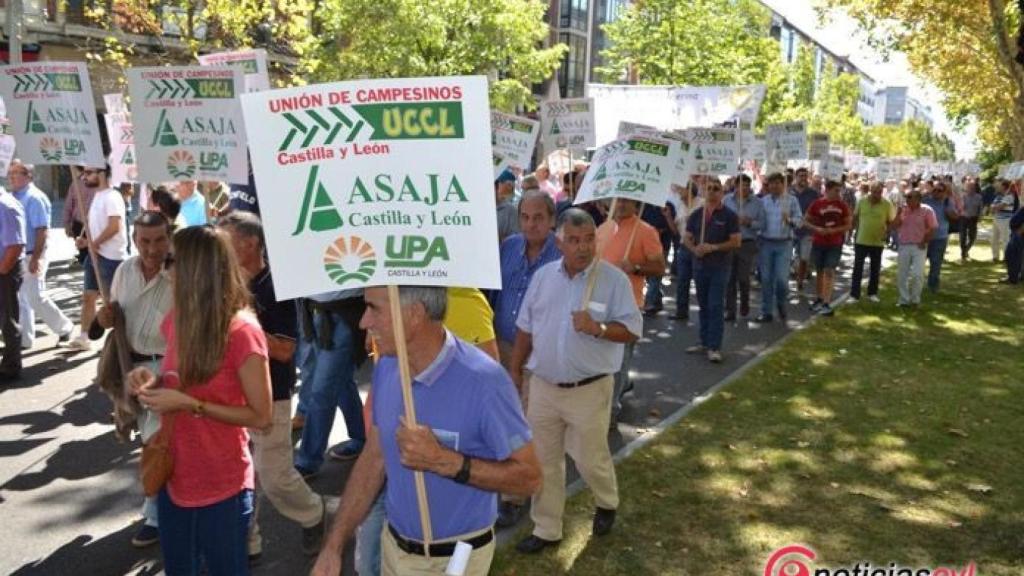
645	259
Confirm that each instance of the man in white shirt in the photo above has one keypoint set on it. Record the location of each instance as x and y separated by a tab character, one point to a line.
107	242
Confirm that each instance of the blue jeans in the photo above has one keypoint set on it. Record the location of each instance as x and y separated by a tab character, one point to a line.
684	275
936	253
214	536
1014	257
774	259
329	376
711	281
653	296
368	539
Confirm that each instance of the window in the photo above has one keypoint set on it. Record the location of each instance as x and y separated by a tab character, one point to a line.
573	14
573	72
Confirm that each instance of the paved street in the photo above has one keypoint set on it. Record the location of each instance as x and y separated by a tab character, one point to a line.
69	494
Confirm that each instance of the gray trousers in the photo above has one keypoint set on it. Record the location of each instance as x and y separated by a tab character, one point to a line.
743	262
10	283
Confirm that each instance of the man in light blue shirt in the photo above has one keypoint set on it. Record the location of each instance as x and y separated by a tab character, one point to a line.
743	259
37	221
776	223
193	204
470	440
573	337
12	244
945	212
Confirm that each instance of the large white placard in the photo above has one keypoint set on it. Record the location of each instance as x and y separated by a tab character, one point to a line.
672	107
884	169
514	138
6	141
818	147
52	113
832	168
786	141
188	123
397	188
715	151
568	124
120	132
253	64
640	167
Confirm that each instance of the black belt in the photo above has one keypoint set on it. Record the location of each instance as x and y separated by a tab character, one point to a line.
748	240
437	550
579	383
766	239
136	357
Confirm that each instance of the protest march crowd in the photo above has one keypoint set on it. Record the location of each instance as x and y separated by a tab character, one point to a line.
201	359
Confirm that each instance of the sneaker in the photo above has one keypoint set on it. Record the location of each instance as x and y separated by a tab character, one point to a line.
533	544
509	514
604	519
816	305
146	536
681	317
715	356
826	310
874	299
63	339
81	344
347	450
696	349
853	299
313	536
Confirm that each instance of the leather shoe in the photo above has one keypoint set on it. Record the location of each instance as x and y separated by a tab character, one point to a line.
509	514
533	544
604	519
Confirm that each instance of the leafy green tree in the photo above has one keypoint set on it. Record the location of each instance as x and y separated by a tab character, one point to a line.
691	42
399	38
911	138
966	48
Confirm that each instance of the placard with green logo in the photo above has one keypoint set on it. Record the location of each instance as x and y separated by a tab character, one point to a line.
640	167
121	133
6	140
52	113
715	151
376	182
786	141
514	138
188	124
819	147
568	124
253	64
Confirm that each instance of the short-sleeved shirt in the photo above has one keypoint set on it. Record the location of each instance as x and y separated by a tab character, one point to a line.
212	461
872	221
560	353
105	205
719	224
469	315
12	222
473	408
805	197
645	244
516	274
193	209
939	208
144	304
914	224
37	213
277	319
828	214
655	216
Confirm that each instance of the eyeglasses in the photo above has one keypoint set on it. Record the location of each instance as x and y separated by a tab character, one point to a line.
89	172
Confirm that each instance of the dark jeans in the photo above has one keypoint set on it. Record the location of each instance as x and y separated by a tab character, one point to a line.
968	234
1014	258
710	282
742	264
936	254
215	536
328	383
684	275
874	256
10	283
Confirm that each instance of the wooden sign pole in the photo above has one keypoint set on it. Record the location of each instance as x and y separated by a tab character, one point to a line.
398	326
592	279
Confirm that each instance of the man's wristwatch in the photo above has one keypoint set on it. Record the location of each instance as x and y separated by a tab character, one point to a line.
636	269
199	409
462	476
604	329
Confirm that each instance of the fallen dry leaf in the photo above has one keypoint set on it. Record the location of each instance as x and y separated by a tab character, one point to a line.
958	432
979	488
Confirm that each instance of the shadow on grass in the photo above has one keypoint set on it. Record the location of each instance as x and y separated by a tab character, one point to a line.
882	435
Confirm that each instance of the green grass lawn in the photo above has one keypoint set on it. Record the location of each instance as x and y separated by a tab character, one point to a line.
881	434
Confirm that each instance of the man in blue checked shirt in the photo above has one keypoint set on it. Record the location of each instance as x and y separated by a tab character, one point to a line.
521	255
776	224
12	244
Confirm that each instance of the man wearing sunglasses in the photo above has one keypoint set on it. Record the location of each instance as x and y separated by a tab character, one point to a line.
107	242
